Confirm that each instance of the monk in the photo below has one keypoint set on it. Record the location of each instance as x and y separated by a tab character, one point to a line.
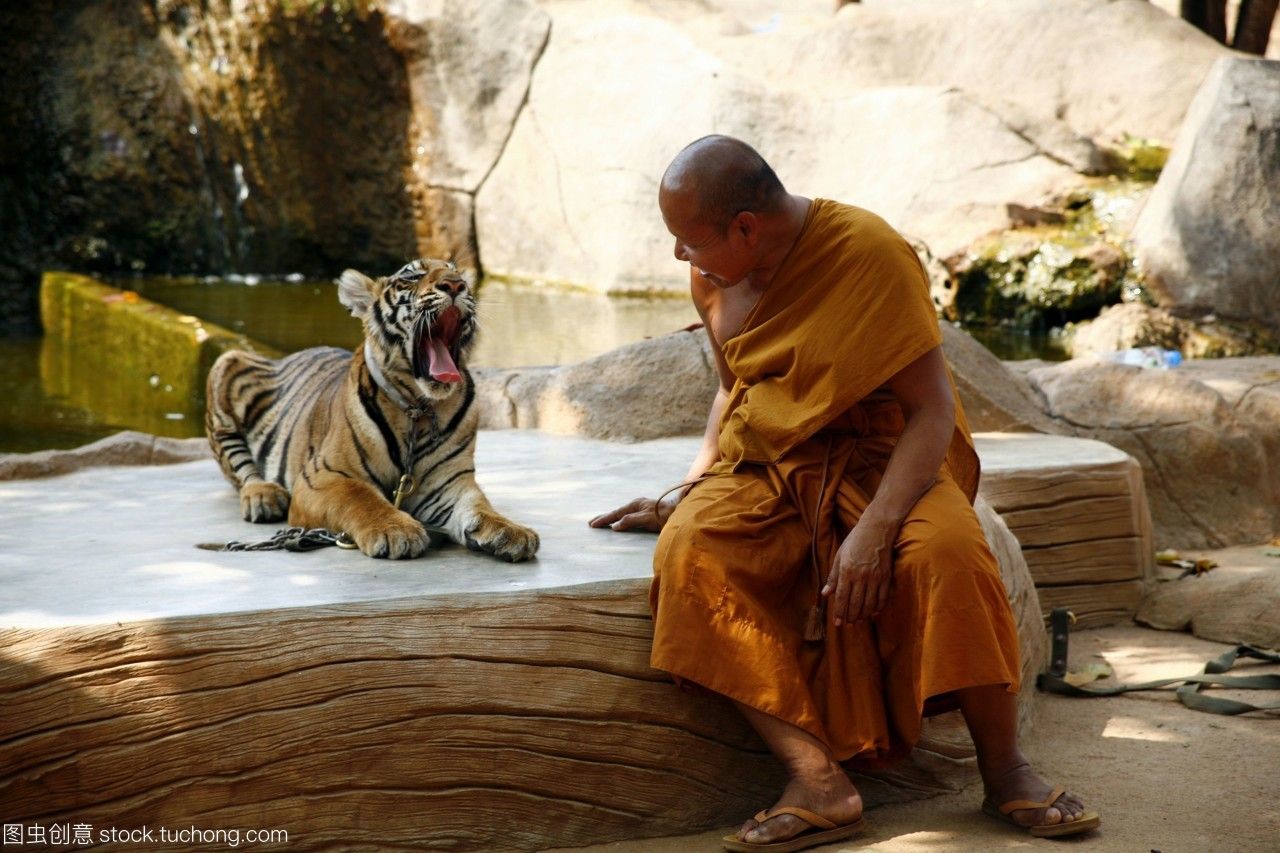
822	566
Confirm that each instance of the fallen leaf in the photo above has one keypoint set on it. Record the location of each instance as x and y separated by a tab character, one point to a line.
1087	673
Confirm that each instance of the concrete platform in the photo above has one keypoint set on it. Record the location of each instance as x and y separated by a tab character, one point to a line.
118	544
450	701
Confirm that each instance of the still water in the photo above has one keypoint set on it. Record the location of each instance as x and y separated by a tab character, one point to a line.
41	408
59	394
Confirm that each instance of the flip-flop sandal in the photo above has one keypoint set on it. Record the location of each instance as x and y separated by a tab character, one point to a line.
823	832
1084	823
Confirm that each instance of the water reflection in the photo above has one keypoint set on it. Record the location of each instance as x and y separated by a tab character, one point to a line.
519	325
110	373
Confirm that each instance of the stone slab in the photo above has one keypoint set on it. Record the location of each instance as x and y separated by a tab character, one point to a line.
130	562
112	545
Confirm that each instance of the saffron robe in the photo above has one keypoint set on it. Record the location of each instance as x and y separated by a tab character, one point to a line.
804	440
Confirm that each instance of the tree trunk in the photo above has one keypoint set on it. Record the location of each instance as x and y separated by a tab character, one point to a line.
1253	25
1207	15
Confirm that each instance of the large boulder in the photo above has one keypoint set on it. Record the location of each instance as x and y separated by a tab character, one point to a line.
659	387
1208	236
1102	67
574	196
1211	465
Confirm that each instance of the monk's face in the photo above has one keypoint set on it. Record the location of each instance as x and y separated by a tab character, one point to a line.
723	257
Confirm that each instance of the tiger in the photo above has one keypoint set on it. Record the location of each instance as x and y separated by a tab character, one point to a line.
326	436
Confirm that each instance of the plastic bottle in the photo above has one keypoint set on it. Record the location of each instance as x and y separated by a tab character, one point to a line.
1149	357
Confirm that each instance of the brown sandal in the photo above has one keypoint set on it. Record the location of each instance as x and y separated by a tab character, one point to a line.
1084	823
823	831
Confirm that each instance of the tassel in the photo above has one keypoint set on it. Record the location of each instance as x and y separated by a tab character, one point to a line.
815	626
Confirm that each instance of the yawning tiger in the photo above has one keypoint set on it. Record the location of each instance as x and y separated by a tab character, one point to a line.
329	436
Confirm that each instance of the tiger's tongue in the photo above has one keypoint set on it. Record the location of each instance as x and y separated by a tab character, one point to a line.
439	362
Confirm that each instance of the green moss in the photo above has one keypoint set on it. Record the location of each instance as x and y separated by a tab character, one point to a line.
137	364
1045	276
1138	159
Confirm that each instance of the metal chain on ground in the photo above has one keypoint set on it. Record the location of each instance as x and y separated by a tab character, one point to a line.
286	539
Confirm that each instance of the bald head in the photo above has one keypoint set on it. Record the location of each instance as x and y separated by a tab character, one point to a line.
724	176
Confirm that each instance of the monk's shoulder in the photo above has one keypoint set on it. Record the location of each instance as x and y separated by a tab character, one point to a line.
857	229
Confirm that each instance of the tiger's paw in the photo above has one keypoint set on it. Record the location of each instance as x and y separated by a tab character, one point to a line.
261	502
399	537
504	539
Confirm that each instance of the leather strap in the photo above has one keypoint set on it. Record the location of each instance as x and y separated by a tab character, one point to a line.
1014	805
804	814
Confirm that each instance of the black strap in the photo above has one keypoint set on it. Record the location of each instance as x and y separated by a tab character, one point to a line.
1190	686
1059	630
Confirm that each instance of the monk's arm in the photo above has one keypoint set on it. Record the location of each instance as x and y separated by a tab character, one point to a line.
928	407
650	514
858	586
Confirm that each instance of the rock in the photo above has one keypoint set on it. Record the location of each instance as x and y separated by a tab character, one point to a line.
1064	63
122	448
1207	237
1210	467
664	386
1133	324
1064	269
1237	602
653	388
1079	511
573	198
218	137
468	66
994	398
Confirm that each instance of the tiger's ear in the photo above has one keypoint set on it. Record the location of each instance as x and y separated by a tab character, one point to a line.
357	291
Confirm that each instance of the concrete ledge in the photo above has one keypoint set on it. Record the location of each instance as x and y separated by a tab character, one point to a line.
447	701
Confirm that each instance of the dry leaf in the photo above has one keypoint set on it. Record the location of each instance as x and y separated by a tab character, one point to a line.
1087	673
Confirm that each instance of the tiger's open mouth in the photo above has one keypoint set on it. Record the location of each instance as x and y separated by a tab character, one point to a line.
435	346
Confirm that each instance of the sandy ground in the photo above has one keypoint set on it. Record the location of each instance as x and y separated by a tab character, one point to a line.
1165	779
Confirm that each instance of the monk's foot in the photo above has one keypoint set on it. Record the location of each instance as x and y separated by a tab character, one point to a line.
827	792
1018	781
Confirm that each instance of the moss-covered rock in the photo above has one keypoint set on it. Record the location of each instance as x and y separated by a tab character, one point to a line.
136	364
1065	269
1120	327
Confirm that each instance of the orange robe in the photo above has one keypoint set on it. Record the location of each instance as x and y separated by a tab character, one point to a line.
804	440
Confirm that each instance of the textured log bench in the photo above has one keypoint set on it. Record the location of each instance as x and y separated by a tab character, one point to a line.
452	701
1079	510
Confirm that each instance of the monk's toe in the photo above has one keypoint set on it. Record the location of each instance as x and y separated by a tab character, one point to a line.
774	829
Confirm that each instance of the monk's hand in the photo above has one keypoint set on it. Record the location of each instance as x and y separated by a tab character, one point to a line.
858	585
640	514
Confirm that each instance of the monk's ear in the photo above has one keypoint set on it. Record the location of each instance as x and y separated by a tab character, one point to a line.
357	291
746	225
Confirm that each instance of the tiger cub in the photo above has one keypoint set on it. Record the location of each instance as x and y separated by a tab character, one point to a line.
325	435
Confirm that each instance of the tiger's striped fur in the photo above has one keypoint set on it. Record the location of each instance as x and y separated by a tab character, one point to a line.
321	436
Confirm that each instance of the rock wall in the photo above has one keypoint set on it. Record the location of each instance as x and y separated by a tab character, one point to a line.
224	136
